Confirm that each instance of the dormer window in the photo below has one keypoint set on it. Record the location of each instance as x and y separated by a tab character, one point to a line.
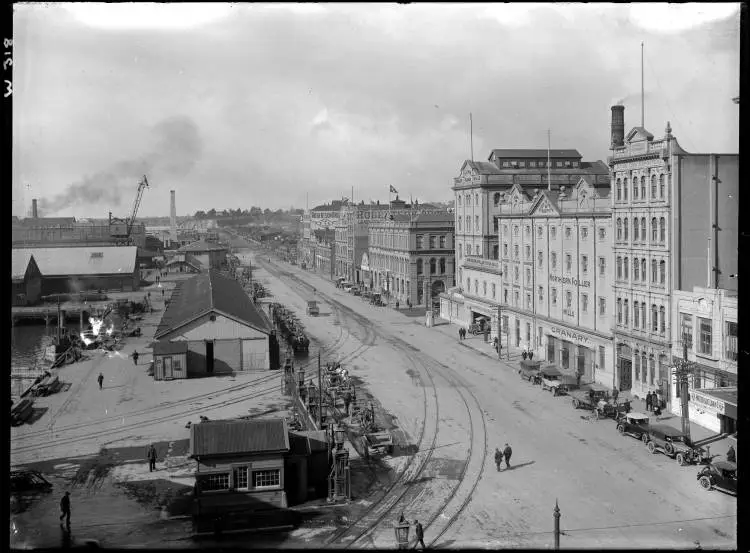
575	164
567	164
506	163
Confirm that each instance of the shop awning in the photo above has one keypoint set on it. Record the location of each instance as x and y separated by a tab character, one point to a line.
722	400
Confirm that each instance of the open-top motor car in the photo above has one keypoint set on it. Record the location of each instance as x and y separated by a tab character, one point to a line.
634	424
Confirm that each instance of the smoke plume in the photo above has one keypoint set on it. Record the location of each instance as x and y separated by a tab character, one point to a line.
176	148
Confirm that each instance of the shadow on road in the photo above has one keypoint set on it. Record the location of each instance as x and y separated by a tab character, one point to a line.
514	467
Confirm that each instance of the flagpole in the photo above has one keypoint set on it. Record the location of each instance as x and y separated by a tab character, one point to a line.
471	135
643	104
549	182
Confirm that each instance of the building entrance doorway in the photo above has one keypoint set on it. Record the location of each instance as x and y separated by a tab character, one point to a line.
209	357
728	425
168	374
626	374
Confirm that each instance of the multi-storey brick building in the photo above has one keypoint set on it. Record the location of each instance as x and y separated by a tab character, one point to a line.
411	256
706	322
675	227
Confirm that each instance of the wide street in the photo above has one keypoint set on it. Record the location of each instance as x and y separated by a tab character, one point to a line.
457	405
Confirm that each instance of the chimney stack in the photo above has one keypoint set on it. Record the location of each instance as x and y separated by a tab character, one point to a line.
34	212
618	126
172	216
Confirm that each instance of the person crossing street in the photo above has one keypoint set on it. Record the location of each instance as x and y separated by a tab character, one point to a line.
419	532
498	459
507	452
151	456
135	357
100	379
65	508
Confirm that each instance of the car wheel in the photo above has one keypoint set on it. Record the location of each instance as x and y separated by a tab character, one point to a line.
644	438
705	483
681	459
669	448
651	447
576	403
621	429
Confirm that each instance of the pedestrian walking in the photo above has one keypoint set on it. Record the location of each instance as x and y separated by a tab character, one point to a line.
408	304
615	393
648	401
135	357
531	355
100	379
65	508
498	459
419	531
151	456
397	304
460	334
507	452
162	293
524	355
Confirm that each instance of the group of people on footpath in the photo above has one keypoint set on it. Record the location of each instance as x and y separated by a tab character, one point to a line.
504	454
527	355
462	333
653	403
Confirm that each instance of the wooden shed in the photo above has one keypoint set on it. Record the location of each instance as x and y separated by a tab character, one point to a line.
170	360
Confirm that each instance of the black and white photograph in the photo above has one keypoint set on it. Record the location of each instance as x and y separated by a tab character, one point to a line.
374	275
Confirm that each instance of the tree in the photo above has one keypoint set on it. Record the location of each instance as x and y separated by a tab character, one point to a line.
212	213
266	211
200	214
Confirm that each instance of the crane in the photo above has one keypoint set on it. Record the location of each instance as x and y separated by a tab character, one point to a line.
121	229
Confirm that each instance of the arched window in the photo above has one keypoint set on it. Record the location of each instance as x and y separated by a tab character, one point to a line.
625	189
635	188
635	229
637	365
636	267
644	366
644	236
654	271
494	290
636	314
653	187
459	199
419	266
662	322
661	186
643	188
442	264
643	269
619	311
619	267
497	198
625	268
644	315
432	266
619	228
654	230
468	284
625	228
662	272
662	230
654	318
619	189
460	250
484	288
626	309
476	250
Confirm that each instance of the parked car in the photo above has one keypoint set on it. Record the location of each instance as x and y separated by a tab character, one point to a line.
347	286
588	396
27	480
550	379
357	291
529	370
634	424
721	474
674	444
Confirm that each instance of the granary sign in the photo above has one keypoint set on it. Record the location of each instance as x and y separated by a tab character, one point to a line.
570	280
569	334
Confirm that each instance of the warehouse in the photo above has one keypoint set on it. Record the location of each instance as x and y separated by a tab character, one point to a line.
224	331
27	279
77	269
210	255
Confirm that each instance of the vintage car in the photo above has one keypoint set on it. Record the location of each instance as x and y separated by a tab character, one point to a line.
22	480
551	379
588	396
634	424
673	443
357	291
720	474
376	299
347	286
529	370
312	308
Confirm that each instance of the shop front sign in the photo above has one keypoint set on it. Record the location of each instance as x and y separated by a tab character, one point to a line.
569	335
707	402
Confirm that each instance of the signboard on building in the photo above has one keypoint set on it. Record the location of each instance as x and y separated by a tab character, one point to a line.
707	402
570	280
569	335
481	263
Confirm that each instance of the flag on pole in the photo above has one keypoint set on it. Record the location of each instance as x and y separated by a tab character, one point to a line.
393	190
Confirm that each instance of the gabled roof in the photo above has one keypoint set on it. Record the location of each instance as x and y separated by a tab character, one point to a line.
545	197
210	292
638	133
170	348
201	246
19	264
481	167
90	260
227	437
534	153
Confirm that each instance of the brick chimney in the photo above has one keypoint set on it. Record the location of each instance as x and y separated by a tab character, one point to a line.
34	212
618	126
172	216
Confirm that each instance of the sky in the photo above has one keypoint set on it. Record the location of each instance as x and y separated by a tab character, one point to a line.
288	105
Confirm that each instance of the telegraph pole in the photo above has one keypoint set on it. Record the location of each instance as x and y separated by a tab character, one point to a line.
320	396
682	370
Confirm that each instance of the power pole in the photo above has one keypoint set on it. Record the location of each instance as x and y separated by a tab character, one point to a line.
556	515
320	396
682	371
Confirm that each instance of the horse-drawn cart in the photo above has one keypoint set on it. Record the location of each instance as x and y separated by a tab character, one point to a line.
378	443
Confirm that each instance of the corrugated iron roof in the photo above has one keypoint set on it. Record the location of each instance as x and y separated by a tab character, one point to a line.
90	260
170	348
208	292
536	153
228	437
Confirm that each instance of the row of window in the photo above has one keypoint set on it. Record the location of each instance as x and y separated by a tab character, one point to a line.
553	297
432	241
658	231
705	336
241	478
583	232
640	315
468	223
658	270
650	372
639	192
433	266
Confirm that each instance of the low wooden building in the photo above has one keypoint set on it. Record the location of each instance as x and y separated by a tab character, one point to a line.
221	326
79	269
170	360
239	466
212	256
26	279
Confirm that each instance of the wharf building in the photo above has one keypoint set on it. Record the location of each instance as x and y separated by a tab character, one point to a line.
675	227
410	257
505	203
